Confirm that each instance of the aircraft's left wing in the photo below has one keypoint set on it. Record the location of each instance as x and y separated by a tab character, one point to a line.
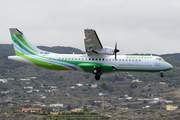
92	42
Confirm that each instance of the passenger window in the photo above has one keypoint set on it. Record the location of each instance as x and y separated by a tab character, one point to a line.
109	59
93	59
96	59
103	59
139	59
99	58
75	59
129	59
122	59
132	59
126	60
119	59
89	58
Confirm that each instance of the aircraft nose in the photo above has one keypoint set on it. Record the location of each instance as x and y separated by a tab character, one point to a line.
169	66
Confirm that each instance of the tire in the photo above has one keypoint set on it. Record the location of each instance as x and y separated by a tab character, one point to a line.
97	77
161	74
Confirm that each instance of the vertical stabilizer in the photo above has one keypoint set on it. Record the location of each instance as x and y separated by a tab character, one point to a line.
21	45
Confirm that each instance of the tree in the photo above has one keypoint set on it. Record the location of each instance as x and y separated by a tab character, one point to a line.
68	107
104	86
48	110
28	112
85	108
12	109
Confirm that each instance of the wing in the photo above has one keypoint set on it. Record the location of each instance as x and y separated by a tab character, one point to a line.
92	42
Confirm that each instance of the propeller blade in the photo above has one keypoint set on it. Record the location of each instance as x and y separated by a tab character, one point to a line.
115	50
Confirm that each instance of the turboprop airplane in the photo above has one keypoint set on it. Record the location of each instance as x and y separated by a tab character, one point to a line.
98	60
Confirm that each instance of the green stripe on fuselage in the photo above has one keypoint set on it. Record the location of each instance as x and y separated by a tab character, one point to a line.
42	63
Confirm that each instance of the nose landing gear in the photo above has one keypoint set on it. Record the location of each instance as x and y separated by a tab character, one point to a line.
97	72
161	74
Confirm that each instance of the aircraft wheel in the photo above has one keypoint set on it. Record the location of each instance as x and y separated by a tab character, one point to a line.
161	74
97	77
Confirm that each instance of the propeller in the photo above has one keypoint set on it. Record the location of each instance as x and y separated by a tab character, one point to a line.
115	50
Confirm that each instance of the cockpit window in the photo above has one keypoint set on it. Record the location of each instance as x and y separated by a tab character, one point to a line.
159	58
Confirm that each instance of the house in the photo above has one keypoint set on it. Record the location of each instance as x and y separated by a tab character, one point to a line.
29	91
147	106
32	78
120	98
9	99
129	98
10	79
48	91
67	94
27	101
3	80
4	92
28	87
41	85
54	113
79	84
43	97
55	105
94	86
171	107
53	87
25	79
169	102
32	109
126	96
162	83
36	90
137	80
72	87
77	110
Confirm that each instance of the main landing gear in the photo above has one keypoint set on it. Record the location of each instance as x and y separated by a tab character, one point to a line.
161	74
97	72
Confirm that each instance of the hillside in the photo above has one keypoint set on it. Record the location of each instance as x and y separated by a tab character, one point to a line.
114	85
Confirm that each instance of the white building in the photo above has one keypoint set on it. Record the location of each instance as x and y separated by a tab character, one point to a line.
3	80
79	84
57	105
28	87
129	98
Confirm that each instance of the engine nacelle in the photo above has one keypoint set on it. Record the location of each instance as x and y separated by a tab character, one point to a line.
106	51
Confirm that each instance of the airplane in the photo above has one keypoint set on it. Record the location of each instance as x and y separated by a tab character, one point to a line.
97	60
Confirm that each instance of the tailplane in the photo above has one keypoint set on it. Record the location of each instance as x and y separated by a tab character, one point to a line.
21	45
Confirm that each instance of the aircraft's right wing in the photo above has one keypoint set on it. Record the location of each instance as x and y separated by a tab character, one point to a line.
92	42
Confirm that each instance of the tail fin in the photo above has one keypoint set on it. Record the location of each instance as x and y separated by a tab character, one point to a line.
21	44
